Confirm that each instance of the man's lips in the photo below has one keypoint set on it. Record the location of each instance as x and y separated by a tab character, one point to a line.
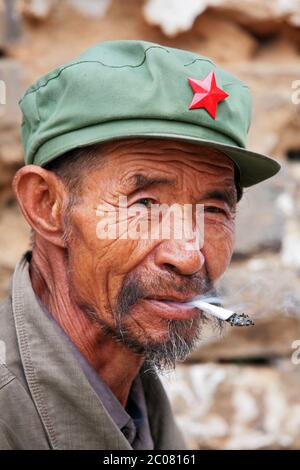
171	309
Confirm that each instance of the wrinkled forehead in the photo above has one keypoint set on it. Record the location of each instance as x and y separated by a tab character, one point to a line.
165	151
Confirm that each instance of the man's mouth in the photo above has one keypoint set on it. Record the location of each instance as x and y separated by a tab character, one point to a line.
171	309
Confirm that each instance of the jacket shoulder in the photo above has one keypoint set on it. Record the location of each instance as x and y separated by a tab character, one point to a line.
20	425
19	420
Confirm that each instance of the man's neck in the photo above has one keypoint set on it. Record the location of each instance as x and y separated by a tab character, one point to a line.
116	364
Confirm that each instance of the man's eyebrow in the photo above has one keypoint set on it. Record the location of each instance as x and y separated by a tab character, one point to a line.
226	195
140	181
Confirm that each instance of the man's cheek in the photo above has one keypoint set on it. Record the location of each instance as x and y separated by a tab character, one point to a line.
120	222
107	247
125	238
123	255
217	250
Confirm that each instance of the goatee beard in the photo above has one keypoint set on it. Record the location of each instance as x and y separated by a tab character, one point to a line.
182	335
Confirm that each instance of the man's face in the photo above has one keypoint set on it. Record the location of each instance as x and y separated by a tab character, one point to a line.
125	283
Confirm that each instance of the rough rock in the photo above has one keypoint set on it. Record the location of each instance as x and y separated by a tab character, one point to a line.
220	406
11	159
2	25
275	123
38	10
10	93
260	220
264	18
291	245
91	8
10	28
174	16
14	236
14	241
236	42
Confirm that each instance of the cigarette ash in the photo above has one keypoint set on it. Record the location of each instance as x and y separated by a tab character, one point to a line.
240	319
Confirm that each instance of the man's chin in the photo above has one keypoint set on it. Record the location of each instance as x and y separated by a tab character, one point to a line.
163	348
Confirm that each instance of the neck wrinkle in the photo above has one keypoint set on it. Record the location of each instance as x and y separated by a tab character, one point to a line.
113	362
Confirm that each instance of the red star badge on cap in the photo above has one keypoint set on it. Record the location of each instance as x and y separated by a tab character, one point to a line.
207	94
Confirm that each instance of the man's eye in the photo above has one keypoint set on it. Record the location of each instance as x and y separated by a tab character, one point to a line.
145	201
214	210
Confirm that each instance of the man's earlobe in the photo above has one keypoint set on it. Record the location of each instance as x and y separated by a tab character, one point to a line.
40	194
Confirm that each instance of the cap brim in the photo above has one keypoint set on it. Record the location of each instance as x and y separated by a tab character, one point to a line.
253	167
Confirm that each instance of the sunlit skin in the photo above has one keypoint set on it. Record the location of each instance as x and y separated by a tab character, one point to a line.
92	274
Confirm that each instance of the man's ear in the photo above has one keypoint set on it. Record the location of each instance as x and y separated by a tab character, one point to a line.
40	194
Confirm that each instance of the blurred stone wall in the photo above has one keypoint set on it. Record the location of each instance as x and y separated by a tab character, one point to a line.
240	389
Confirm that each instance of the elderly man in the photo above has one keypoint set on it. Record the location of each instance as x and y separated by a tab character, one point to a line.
126	127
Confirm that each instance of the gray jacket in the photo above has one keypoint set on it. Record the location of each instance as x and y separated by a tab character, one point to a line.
46	401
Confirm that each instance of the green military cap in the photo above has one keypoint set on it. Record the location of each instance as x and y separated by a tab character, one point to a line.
124	89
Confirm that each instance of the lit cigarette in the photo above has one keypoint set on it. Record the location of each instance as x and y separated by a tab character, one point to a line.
235	319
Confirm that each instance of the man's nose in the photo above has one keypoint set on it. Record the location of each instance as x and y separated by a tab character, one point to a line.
181	257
